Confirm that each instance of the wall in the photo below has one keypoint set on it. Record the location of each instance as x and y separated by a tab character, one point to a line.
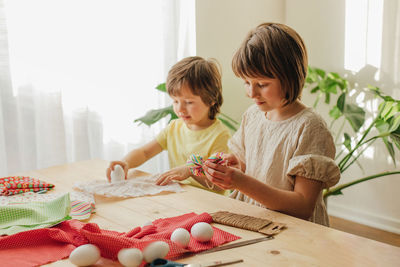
221	26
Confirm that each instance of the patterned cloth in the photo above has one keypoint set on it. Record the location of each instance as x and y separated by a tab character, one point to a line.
20	184
21	217
48	245
141	186
195	162
82	203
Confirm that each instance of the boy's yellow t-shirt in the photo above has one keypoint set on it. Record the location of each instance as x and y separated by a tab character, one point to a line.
181	142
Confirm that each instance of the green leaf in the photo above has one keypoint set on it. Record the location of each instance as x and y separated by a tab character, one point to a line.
320	72
354	115
228	124
327	98
382	126
395	124
390	149
315	89
162	87
335	113
341	101
155	115
347	141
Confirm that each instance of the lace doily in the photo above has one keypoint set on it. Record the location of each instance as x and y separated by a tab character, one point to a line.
136	187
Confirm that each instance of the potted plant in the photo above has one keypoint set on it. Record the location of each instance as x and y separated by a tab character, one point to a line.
383	126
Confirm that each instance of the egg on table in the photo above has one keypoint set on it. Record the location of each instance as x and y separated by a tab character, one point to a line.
157	249
118	174
180	236
85	255
130	257
202	232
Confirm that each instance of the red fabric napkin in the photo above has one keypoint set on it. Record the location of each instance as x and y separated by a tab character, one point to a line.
41	246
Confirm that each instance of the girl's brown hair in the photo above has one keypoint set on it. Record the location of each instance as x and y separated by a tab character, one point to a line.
274	50
203	77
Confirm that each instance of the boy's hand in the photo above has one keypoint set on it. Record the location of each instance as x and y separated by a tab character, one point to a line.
175	174
110	168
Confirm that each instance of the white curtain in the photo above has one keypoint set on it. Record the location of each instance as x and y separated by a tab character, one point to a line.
74	74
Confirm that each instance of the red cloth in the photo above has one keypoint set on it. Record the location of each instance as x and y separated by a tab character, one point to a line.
41	246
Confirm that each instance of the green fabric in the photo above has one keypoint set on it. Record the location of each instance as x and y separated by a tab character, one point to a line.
21	217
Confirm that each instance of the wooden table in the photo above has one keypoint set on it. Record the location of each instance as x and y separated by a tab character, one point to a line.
301	244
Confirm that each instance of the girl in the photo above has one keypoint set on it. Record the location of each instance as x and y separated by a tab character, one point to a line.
283	152
194	84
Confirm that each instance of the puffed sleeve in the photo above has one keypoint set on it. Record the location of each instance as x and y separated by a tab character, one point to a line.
314	154
236	144
315	167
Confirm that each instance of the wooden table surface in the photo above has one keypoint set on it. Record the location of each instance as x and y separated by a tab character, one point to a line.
301	244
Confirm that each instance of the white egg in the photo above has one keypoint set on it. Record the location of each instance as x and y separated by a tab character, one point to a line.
130	257
118	174
202	232
85	255
157	249
181	236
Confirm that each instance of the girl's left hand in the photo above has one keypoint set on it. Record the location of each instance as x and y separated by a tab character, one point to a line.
223	176
175	174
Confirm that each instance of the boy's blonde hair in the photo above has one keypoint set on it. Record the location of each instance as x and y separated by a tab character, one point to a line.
203	77
274	50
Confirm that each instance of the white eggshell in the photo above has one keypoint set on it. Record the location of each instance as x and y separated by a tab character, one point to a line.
130	257
85	255
118	174
181	236
157	249
202	232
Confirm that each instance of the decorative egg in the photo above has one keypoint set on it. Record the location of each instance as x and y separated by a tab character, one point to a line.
157	249
202	232
118	174
181	236
85	255
130	257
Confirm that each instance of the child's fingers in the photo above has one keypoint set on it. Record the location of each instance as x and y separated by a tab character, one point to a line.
218	167
108	174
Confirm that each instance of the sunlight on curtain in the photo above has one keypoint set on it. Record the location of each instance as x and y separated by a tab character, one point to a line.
82	71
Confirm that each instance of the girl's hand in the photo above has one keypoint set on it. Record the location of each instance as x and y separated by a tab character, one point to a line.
110	168
232	161
175	174
226	177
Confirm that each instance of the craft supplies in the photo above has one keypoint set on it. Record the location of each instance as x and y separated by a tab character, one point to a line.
202	232
85	255
41	247
167	263
180	236
13	185
19	217
130	257
82	203
157	249
141	186
195	162
238	244
118	174
263	226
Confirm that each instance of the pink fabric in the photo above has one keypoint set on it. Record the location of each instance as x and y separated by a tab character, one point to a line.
41	246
